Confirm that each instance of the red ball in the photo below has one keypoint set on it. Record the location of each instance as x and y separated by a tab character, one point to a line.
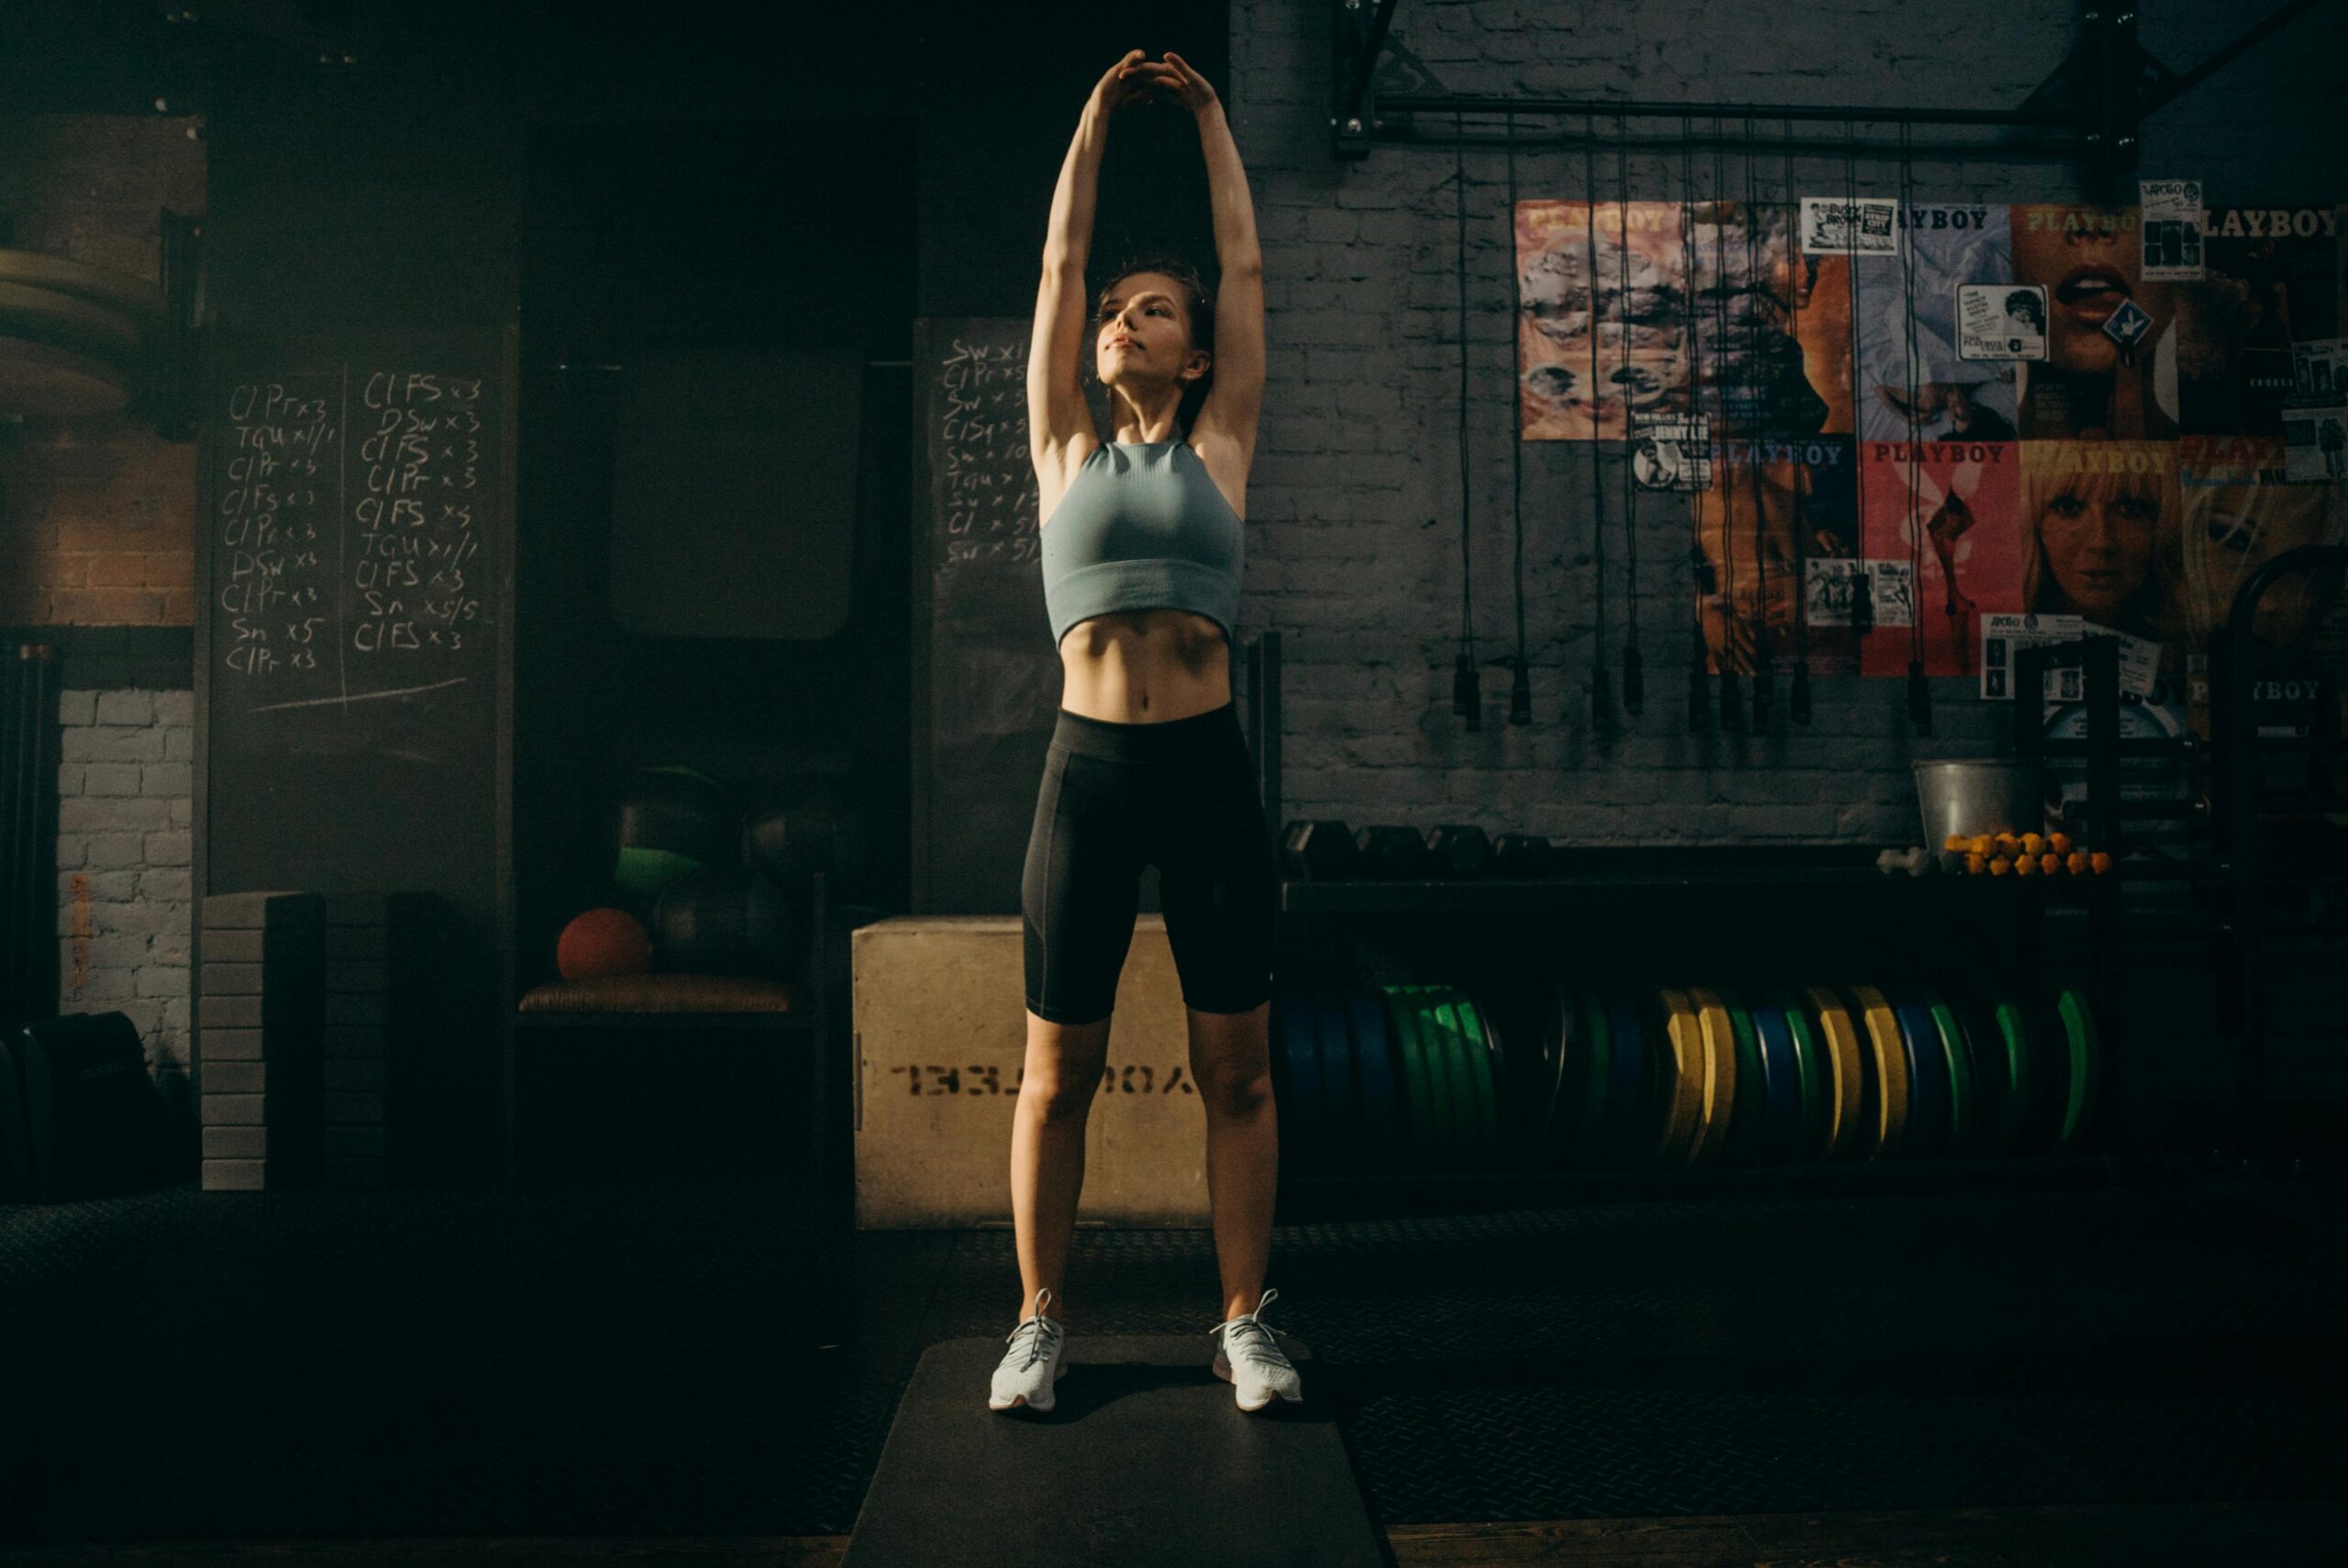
602	942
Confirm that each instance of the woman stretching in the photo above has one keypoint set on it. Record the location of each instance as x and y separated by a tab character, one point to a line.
1142	546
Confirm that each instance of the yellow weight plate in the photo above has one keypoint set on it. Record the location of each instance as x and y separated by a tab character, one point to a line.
1687	1067
1719	1084
1845	1132
1889	1055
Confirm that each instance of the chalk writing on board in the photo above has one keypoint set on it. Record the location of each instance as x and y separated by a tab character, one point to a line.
348	566
985	476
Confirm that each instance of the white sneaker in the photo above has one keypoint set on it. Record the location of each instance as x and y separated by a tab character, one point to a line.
1032	1365
1246	1357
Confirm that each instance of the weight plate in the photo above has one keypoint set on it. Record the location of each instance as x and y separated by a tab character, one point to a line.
1595	1074
2012	1022
1885	1066
1927	1076
1418	1087
1960	1071
1782	1081
2087	1065
1719	1051
1561	1039
1745	1126
1340	1100
1688	1069
1846	1077
1985	1051
1301	1050
1476	1069
1442	1080
1638	1069
1374	1067
2050	1069
1813	1072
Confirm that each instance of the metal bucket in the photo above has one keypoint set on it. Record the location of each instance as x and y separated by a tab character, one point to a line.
1971	795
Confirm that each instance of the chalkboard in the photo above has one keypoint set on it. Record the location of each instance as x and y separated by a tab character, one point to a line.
987	679
352	566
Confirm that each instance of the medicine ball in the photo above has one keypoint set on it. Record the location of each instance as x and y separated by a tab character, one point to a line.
723	920
602	942
672	820
807	823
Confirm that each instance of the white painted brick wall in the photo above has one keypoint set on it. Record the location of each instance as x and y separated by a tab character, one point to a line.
125	785
1357	449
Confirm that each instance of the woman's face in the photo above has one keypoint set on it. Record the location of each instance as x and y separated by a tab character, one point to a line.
2241	529
1141	330
2098	549
2088	263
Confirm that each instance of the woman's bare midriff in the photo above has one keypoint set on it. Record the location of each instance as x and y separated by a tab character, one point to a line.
1145	667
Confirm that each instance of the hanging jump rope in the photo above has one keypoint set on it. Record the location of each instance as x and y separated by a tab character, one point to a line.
1635	684
1601	685
1798	699
1699	707
1732	694
1467	700
1862	591
1920	690
1765	695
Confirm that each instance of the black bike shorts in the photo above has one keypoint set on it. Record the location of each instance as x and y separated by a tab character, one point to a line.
1181	796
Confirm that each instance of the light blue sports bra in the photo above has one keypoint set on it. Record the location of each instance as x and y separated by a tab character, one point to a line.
1141	527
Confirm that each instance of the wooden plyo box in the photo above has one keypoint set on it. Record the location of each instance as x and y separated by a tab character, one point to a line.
941	1041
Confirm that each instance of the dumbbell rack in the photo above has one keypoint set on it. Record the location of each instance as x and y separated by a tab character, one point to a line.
1595	910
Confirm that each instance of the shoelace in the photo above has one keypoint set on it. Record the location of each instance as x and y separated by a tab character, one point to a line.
1250	1338
1043	1338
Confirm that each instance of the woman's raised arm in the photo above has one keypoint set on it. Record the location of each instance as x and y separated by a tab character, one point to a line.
1237	397
1056	408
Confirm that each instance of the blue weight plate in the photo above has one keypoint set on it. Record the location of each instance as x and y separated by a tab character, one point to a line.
1339	1099
1374	1070
1928	1088
1780	1080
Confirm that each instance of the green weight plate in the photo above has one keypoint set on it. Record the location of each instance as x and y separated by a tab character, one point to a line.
1960	1070
2013	1031
1418	1087
1745	1129
1475	1066
1606	1121
1985	1051
1589	1022
2087	1065
1443	1077
1811	1065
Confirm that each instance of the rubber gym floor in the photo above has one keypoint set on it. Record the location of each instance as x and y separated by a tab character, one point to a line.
2021	1373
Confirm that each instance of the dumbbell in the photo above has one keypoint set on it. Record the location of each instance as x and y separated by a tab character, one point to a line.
1459	851
1390	850
1520	854
1319	851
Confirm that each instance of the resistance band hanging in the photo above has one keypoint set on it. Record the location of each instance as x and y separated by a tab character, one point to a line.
1635	684
1700	706
1520	688
1798	699
1920	690
1732	695
1602	686
1756	296
1467	700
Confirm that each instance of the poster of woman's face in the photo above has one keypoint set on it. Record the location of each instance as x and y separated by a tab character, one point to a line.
1665	310
2089	261
2231	530
2096	516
